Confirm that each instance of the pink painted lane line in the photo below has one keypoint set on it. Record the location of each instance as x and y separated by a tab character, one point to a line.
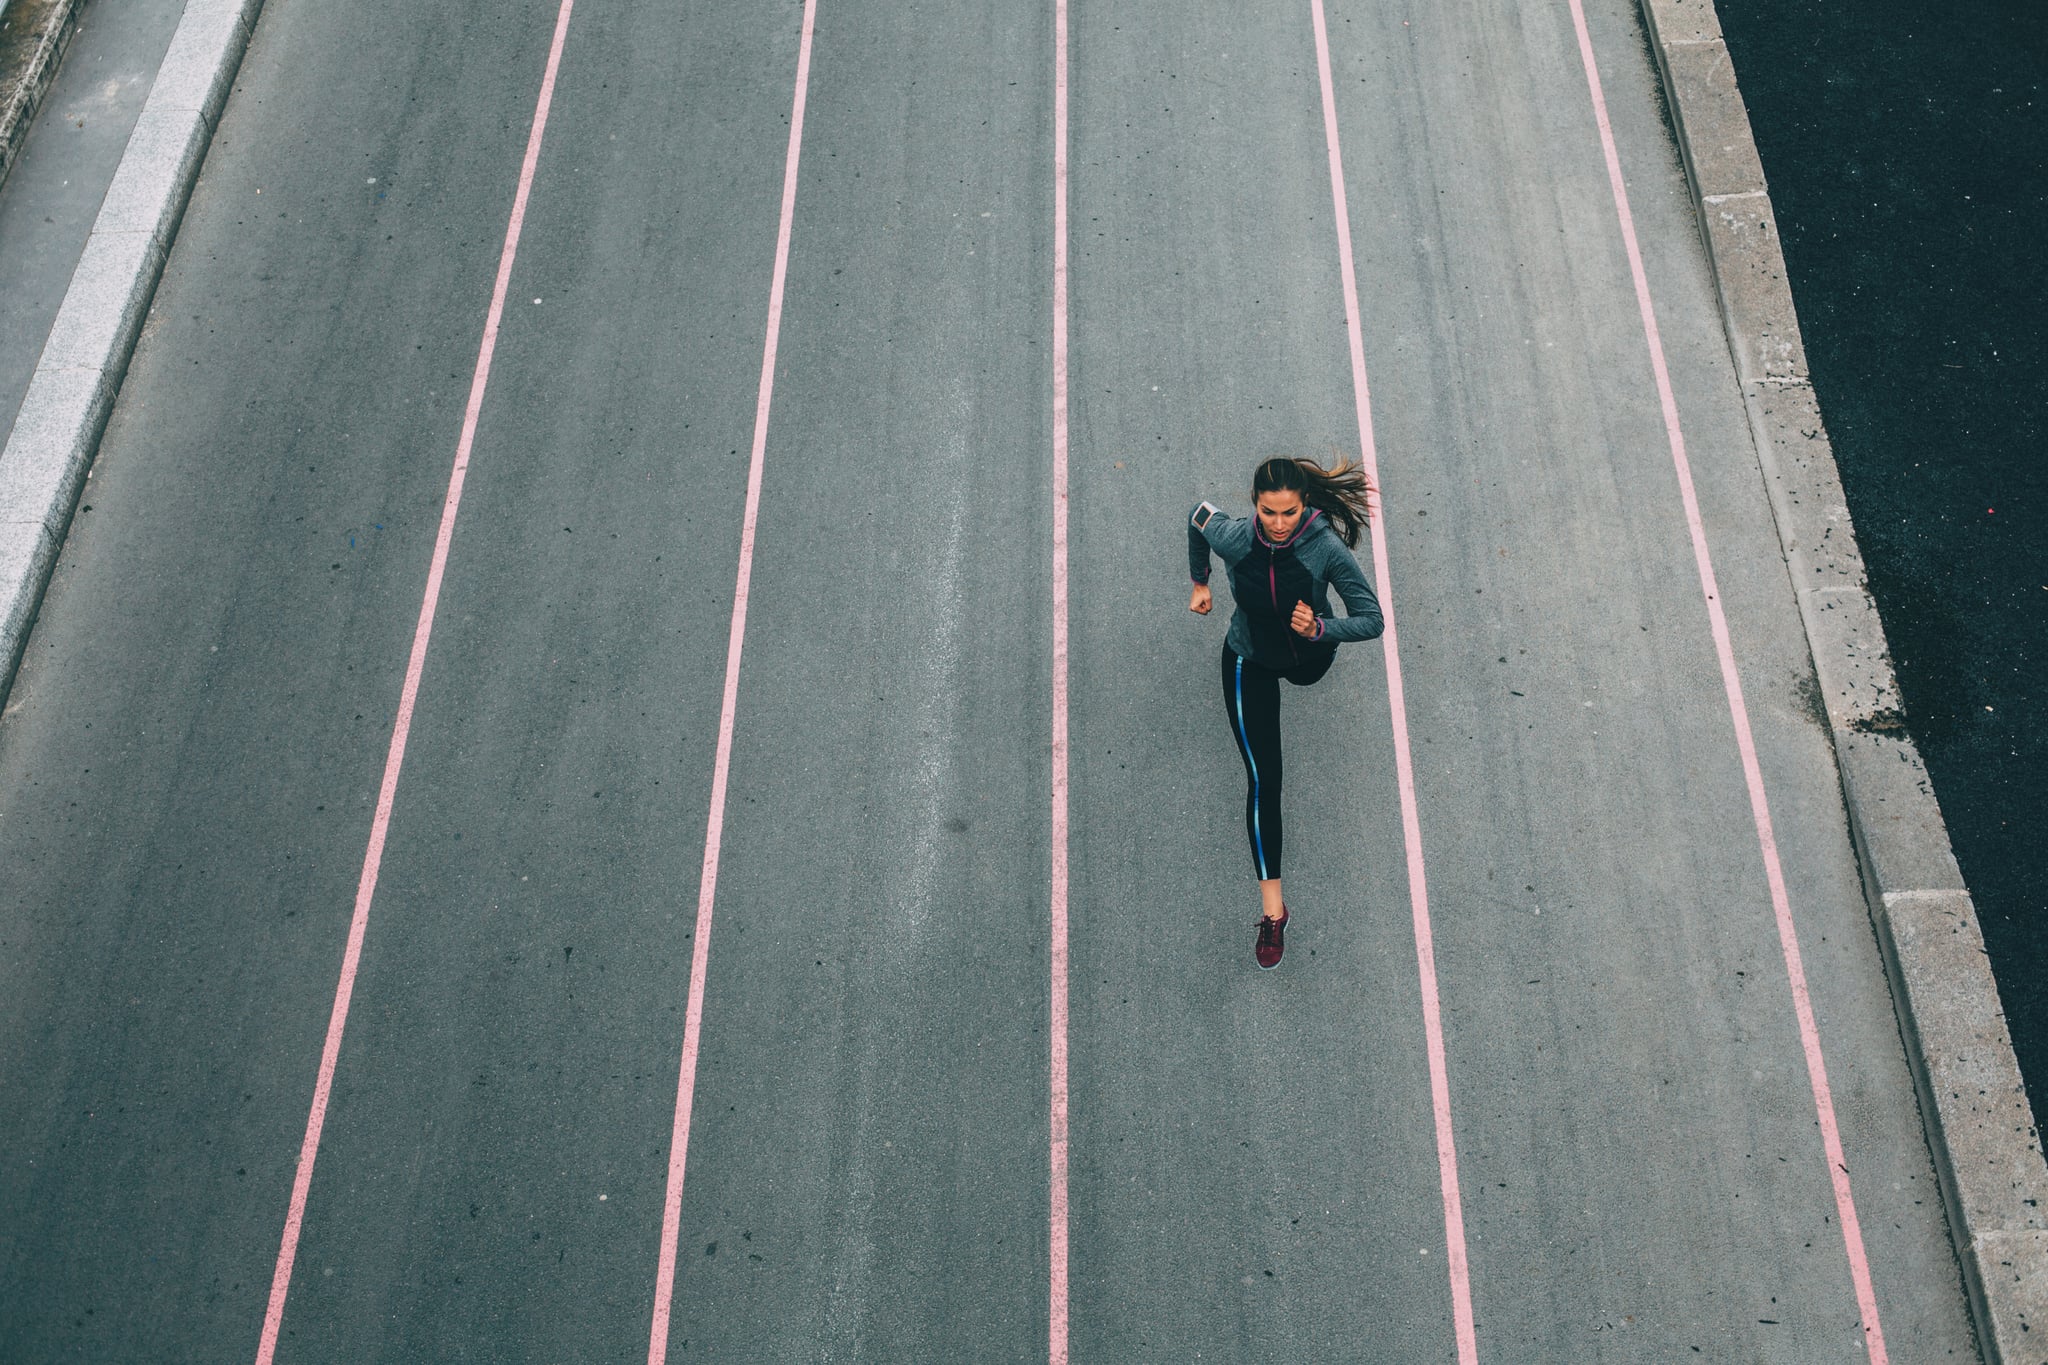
721	768
1057	1025
1404	763
415	667
1745	740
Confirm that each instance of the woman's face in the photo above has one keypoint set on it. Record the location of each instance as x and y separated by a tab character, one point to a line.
1279	514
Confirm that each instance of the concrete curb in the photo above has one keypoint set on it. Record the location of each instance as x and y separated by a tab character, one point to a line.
33	37
1973	1101
72	391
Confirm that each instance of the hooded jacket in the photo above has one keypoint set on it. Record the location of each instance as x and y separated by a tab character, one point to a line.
1266	580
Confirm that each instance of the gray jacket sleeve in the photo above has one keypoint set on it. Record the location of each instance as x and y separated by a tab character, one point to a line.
1230	537
1340	570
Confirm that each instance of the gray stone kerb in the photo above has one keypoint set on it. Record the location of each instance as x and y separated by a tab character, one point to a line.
49	455
1973	1102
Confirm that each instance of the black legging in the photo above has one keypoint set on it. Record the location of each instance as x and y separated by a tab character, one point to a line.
1251	698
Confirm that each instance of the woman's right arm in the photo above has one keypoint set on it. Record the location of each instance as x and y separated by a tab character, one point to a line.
1229	537
1199	600
1198	548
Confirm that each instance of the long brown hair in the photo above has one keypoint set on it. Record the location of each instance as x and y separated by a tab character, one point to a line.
1341	492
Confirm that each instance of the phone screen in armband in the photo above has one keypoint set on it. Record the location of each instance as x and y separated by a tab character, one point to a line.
1204	514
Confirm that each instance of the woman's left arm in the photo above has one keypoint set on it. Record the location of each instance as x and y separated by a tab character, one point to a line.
1363	621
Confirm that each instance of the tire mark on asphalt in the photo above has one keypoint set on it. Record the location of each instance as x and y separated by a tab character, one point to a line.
927	789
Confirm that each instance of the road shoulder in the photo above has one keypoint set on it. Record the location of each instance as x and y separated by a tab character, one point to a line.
44	465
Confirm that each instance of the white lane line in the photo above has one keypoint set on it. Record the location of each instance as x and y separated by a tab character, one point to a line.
1058	1021
1745	740
1404	764
394	759
714	828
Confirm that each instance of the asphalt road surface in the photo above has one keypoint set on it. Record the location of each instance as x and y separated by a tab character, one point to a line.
191	759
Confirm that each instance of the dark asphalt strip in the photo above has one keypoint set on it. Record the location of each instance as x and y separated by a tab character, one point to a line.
1907	150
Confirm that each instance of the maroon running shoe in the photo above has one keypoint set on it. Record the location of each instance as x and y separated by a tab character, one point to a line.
1272	939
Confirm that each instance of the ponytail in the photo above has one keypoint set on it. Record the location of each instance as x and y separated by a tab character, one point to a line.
1342	492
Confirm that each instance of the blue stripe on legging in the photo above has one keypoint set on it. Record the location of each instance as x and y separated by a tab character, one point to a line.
1258	843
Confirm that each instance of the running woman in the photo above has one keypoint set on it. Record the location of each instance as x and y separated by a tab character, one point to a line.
1282	563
